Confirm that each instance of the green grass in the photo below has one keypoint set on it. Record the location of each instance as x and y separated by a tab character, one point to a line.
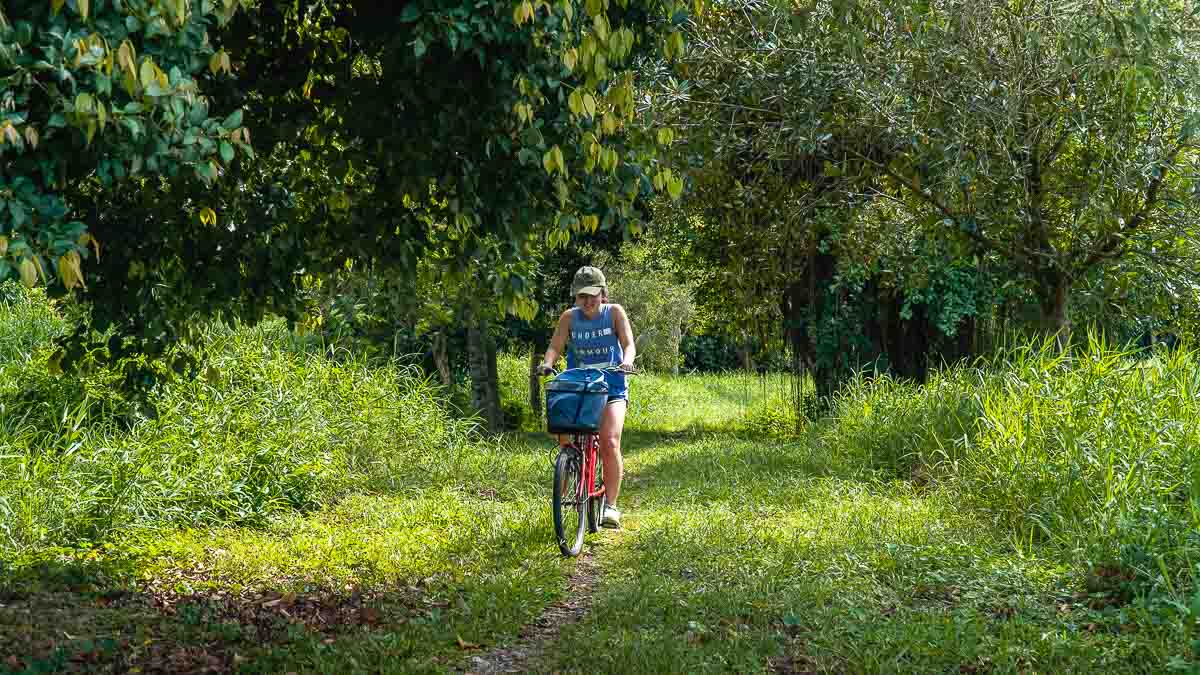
299	514
736	554
727	402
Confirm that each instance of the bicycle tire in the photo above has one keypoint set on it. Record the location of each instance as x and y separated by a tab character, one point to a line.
596	504
567	507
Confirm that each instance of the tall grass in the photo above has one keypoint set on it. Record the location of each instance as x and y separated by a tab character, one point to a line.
1093	452
27	320
275	428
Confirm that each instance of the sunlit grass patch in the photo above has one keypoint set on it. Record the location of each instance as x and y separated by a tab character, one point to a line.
870	578
393	581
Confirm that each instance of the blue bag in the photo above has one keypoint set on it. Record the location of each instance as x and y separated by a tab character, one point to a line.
575	401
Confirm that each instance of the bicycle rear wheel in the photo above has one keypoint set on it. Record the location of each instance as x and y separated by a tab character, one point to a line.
569	505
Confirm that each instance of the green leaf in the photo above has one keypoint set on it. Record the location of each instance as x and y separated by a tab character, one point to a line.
411	13
19	214
233	121
227	153
418	47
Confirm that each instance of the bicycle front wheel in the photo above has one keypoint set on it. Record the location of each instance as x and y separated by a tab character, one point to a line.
569	504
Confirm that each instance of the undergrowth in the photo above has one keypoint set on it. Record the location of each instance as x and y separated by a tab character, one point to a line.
1091	454
272	428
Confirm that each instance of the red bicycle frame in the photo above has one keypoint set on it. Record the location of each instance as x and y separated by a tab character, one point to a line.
588	446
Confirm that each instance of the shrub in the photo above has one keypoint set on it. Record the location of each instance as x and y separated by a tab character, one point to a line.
1093	451
272	428
512	371
658	304
27	321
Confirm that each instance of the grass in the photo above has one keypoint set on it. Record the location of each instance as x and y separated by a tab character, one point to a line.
736	556
297	514
726	402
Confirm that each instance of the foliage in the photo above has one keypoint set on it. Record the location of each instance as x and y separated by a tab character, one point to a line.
709	354
822	198
28	320
99	92
550	117
513	374
706	353
1090	160
1088	452
658	304
270	428
366	153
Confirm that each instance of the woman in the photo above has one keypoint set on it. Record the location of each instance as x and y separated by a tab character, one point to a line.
599	335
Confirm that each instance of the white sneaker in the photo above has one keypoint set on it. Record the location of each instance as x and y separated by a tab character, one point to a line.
611	518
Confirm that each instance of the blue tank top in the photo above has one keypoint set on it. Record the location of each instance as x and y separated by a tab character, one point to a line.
593	342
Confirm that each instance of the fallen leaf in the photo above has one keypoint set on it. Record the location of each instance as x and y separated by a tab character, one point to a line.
463	644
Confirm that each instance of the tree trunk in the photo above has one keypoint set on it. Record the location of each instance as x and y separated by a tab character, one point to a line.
822	268
745	354
440	359
1056	319
481	357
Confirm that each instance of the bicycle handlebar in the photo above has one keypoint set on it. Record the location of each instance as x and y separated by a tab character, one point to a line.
547	372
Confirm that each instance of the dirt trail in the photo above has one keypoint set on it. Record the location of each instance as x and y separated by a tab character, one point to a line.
542	632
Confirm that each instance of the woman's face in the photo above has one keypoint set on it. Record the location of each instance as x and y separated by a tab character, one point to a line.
590	304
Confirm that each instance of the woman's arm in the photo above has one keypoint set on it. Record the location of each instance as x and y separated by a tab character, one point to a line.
559	341
624	336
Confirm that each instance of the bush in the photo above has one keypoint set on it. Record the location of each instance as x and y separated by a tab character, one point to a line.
27	321
658	305
512	371
709	354
719	354
1093	452
273	427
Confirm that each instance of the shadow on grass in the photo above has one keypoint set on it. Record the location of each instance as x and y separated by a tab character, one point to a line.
334	589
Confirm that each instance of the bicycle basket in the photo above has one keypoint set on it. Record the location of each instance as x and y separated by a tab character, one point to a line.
575	401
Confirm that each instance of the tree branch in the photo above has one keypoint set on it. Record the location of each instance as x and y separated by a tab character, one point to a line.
931	200
1111	246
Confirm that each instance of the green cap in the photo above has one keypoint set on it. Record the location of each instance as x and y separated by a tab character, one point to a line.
588	280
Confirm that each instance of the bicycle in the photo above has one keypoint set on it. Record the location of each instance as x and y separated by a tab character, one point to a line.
578	496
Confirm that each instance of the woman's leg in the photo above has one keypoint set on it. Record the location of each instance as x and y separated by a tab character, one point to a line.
611	426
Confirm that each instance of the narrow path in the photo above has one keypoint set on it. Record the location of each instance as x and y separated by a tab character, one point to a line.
543	631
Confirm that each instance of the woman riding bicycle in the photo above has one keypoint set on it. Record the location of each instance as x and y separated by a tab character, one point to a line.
599	334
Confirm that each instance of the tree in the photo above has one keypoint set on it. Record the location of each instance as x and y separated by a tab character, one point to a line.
894	169
658	303
1052	138
509	124
776	222
99	92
